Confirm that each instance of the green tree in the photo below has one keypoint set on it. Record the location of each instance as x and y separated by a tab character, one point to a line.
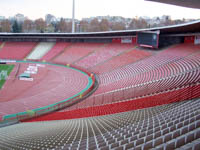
27	26
64	26
40	25
104	25
138	24
118	26
16	28
55	26
84	26
94	25
5	26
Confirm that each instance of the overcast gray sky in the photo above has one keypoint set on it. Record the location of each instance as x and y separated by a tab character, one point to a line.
34	9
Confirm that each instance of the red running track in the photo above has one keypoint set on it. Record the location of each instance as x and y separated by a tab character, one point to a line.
51	84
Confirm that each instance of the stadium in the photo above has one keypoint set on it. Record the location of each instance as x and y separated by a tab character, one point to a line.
135	89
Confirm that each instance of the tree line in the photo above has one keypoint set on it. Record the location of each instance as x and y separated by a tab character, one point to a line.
94	25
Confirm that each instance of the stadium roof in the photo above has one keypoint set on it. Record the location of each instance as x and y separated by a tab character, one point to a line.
184	3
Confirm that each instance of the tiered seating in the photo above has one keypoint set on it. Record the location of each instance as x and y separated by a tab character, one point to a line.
1	44
161	98
77	51
165	127
136	75
164	57
144	100
103	54
56	49
16	50
167	70
40	50
121	60
174	70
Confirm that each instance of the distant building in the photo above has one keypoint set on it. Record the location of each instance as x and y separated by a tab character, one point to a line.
154	21
50	18
2	18
165	18
19	17
68	19
109	18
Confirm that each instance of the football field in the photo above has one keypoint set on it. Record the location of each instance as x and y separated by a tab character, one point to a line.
5	70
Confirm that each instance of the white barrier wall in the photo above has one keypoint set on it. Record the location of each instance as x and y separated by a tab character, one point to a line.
40	50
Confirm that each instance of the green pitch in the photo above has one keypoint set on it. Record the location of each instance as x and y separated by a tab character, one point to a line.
5	68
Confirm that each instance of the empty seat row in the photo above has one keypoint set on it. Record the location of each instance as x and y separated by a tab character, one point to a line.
16	50
165	71
163	127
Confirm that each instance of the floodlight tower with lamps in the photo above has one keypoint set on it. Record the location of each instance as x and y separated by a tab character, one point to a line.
73	16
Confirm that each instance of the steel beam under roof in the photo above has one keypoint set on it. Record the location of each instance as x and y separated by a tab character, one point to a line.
184	3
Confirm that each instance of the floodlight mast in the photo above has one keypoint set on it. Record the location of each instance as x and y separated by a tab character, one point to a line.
73	16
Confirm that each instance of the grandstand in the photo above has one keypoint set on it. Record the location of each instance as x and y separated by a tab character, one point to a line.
16	50
123	59
93	91
1	44
56	50
152	75
76	51
103	54
164	127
